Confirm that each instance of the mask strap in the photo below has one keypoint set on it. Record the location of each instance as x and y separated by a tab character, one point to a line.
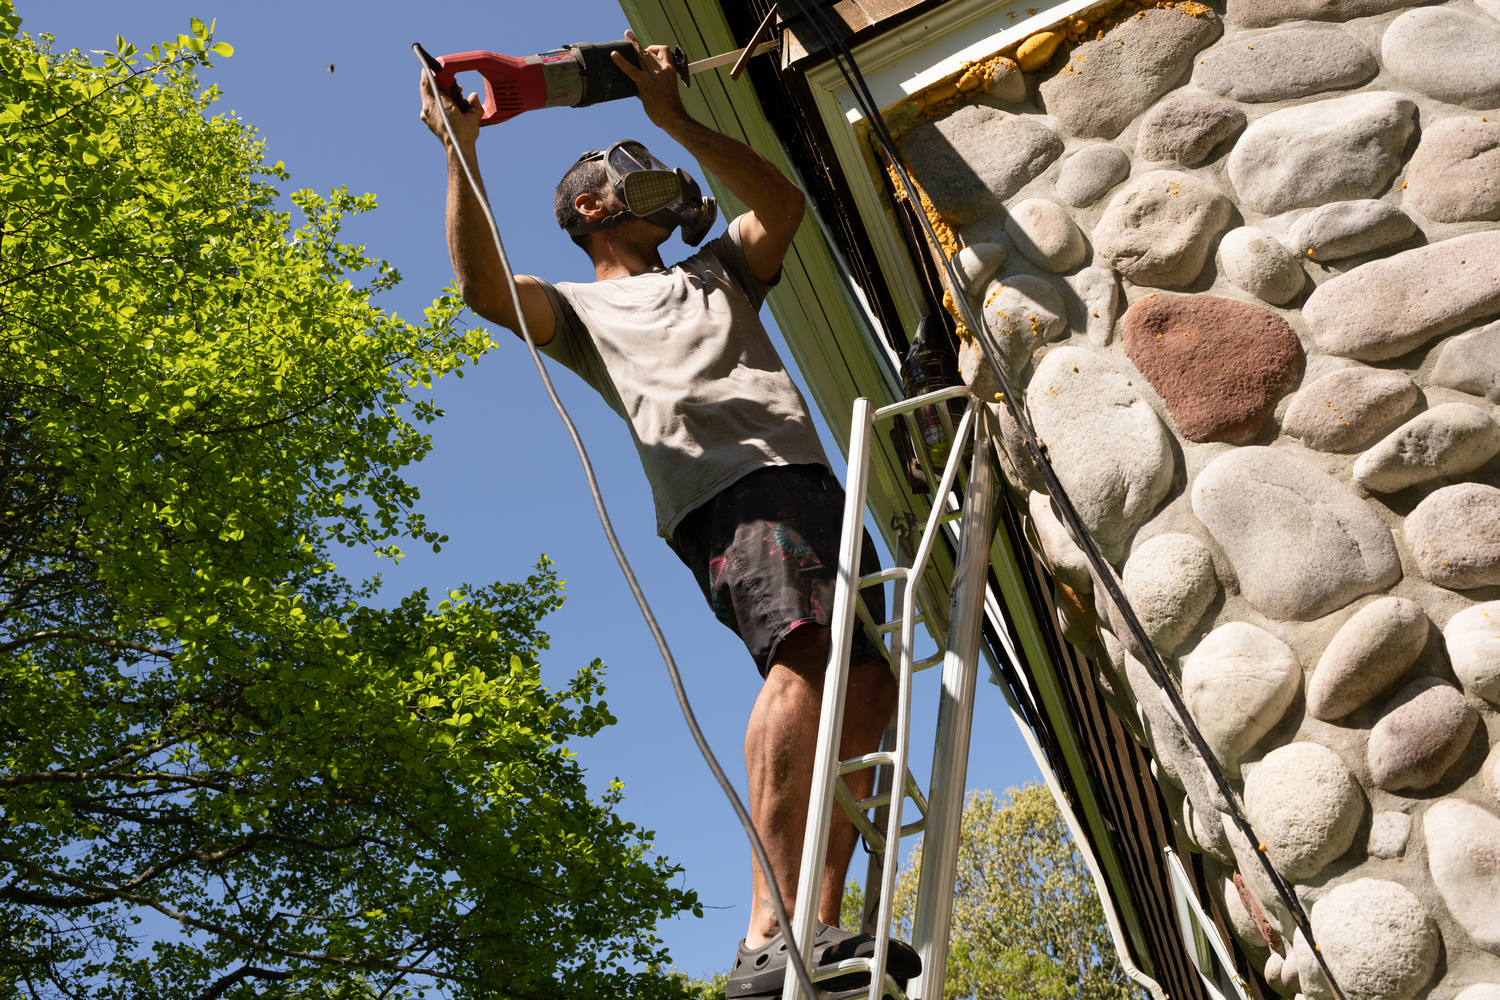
609	222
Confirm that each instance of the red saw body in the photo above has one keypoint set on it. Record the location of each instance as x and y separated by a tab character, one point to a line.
573	76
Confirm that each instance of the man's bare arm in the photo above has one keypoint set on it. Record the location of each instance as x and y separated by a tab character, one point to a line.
776	204
481	280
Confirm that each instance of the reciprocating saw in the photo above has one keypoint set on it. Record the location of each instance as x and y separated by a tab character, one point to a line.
573	76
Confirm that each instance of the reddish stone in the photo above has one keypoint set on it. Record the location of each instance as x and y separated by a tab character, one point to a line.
1218	364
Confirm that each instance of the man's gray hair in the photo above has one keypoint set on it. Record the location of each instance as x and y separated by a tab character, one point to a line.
584	177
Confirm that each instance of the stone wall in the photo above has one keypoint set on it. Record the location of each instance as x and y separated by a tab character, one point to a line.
1245	263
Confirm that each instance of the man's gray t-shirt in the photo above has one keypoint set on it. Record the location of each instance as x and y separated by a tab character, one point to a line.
680	353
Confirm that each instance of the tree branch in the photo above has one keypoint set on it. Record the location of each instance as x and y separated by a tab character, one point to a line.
98	640
240	975
52	267
275	420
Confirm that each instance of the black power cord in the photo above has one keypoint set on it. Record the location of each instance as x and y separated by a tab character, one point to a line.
838	50
793	954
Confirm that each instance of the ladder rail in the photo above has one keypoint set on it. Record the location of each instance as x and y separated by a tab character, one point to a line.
933	916
970	423
835	685
828	787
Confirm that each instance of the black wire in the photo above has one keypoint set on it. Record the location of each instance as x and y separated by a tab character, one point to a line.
839	51
778	904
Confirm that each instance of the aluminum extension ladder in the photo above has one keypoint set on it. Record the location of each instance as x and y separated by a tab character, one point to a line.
942	807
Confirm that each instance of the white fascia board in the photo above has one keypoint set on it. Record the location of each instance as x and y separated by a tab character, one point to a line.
924	51
896	65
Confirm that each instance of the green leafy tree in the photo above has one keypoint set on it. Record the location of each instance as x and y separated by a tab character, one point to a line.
201	721
1026	920
711	988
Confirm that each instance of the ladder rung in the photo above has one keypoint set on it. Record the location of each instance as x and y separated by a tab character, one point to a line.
930	661
926	399
889	573
845	967
917	797
867	760
952	515
845	798
856	810
849	965
890	627
884	799
891	990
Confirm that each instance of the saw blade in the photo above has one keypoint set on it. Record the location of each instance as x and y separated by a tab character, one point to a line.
725	58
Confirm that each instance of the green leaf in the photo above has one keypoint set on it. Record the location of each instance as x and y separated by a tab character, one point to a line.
199	28
222	49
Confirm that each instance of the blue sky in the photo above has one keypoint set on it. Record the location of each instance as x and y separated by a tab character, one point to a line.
503	481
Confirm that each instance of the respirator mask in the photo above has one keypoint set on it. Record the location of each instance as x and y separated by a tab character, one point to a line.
651	190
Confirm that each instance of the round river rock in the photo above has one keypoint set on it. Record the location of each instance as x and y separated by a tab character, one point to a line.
1447	440
1454	536
1218	364
1376	936
1368	654
976	263
1264	13
1463	854
1238	683
1111	451
1170	583
1090	172
1333	150
1100	293
1454	175
1021	313
1305	805
972	159
1158	228
1390	306
1471	363
1256	261
1348	228
1186	128
1344	409
1291	63
1044	233
1473	640
1421	733
1301	544
1065	559
1445	54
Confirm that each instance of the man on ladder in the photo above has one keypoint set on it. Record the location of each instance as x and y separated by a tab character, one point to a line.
741	483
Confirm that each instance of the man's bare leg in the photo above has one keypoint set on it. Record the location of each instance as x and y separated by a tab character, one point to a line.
780	742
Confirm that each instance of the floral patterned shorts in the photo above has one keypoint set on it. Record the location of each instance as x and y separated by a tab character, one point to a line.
765	553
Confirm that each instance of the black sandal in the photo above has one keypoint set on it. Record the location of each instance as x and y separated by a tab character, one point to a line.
761	972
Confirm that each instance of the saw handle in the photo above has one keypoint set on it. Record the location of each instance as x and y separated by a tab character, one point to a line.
435	67
521	87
